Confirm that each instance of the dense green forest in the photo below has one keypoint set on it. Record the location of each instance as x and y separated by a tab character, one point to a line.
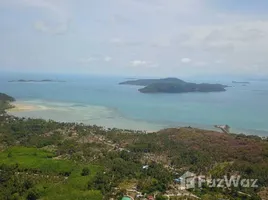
50	160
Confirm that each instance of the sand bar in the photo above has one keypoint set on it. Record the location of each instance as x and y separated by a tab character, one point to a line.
20	107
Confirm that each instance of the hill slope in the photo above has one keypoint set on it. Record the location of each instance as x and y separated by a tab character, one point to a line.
5	102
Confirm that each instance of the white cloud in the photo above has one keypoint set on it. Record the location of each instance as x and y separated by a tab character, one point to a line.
116	41
219	61
182	7
95	59
143	63
233	34
124	43
186	60
238	44
57	17
87	60
56	29
136	63
149	30
107	59
200	63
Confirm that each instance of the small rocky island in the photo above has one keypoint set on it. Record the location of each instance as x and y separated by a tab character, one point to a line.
240	82
36	81
173	85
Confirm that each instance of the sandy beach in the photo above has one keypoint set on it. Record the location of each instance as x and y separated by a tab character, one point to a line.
20	107
87	114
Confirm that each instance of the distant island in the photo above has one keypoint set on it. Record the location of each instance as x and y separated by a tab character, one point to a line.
259	79
173	85
240	82
36	81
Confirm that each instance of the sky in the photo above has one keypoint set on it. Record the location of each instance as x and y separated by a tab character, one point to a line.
135	37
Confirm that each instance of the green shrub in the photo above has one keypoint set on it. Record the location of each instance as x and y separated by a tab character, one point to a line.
85	171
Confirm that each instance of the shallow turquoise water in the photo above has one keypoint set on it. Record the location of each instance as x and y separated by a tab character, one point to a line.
100	100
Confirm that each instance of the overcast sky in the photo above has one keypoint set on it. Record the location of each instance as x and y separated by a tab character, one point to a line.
135	37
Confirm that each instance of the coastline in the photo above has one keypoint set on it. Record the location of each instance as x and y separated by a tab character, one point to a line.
79	113
102	116
22	106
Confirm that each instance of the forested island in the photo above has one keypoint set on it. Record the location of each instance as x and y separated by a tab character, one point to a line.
35	81
47	160
173	85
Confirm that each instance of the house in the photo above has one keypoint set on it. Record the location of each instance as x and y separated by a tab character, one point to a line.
145	167
177	180
150	198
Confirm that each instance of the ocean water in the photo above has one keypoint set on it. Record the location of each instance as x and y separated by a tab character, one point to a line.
101	100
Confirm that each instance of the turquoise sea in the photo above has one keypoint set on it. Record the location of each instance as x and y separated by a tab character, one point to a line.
101	100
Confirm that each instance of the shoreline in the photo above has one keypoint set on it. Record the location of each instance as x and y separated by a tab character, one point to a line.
102	116
22	107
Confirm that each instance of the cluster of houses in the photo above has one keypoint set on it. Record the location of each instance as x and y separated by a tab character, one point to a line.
181	185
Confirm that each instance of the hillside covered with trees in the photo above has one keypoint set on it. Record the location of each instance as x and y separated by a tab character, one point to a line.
5	101
49	160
